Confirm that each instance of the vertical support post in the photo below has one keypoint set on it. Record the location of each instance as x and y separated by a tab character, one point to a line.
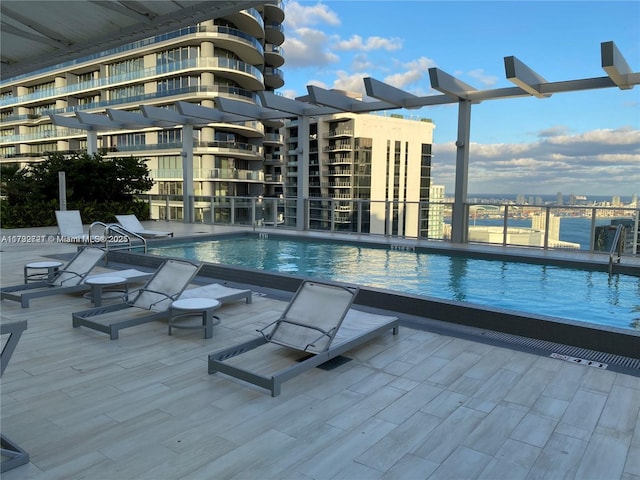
303	172
505	226
187	174
62	190
547	222
592	232
92	142
636	233
459	218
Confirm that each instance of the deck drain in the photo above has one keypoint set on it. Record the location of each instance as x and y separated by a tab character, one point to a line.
579	361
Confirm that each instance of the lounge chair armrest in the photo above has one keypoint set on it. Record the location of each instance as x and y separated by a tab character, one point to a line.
172	297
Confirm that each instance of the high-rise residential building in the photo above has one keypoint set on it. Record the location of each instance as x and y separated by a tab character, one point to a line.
233	56
366	173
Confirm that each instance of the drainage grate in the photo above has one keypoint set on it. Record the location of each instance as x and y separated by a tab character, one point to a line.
577	355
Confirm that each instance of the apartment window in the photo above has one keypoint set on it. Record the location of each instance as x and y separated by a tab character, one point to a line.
8	151
170	84
170	136
86	77
130	139
6	95
6	132
126	66
42	87
43	130
44	147
425	171
177	55
129	91
40	109
88	100
170	188
170	163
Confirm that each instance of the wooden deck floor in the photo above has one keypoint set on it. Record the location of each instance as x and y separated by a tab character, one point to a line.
412	406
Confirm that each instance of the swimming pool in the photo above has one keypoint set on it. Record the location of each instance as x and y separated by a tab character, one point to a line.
582	295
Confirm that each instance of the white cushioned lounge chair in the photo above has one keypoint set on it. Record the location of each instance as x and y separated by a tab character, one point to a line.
132	224
70	228
317	325
149	303
69	279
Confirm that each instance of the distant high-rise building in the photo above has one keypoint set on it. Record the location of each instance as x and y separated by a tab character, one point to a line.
352	157
559	200
539	222
520	199
615	200
436	212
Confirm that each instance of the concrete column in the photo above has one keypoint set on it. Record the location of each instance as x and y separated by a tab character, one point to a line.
303	173
187	174
460	219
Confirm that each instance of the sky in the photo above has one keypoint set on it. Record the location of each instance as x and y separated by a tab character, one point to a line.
586	142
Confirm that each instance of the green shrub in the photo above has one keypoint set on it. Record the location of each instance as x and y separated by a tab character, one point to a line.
100	188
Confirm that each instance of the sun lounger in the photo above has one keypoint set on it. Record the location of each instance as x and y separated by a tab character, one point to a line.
317	326
150	303
69	279
70	228
218	292
132	224
12	455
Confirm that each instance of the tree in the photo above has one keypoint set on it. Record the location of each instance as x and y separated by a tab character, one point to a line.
100	188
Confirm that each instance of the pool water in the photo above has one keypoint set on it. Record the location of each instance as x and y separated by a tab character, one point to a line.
582	295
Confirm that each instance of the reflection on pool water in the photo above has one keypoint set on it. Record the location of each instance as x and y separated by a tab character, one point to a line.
582	295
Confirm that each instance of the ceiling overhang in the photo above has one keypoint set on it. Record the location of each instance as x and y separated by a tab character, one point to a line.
41	33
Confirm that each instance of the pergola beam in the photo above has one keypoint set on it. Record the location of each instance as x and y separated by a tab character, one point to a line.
97	120
206	114
171	117
248	110
615	65
130	119
449	85
524	77
333	99
297	107
69	122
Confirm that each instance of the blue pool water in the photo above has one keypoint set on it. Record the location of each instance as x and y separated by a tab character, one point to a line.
582	295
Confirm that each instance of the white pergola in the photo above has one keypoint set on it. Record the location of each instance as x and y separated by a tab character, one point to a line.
320	101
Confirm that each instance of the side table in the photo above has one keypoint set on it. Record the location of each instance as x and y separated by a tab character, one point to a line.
189	307
100	283
50	267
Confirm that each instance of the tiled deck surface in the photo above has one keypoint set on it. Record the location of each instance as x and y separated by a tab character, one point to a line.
415	406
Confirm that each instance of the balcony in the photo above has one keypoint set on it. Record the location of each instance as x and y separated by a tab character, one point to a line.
273	77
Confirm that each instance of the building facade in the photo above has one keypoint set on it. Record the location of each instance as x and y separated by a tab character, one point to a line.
366	173
234	56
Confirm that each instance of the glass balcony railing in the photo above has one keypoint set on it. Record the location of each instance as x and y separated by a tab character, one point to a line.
586	226
143	74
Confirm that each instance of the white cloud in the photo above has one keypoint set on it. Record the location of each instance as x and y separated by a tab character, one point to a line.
308	47
298	15
597	162
414	72
371	43
486	80
351	82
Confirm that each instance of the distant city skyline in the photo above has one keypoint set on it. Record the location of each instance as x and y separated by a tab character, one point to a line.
580	142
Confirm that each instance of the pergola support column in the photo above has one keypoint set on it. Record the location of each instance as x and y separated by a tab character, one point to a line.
459	217
188	214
